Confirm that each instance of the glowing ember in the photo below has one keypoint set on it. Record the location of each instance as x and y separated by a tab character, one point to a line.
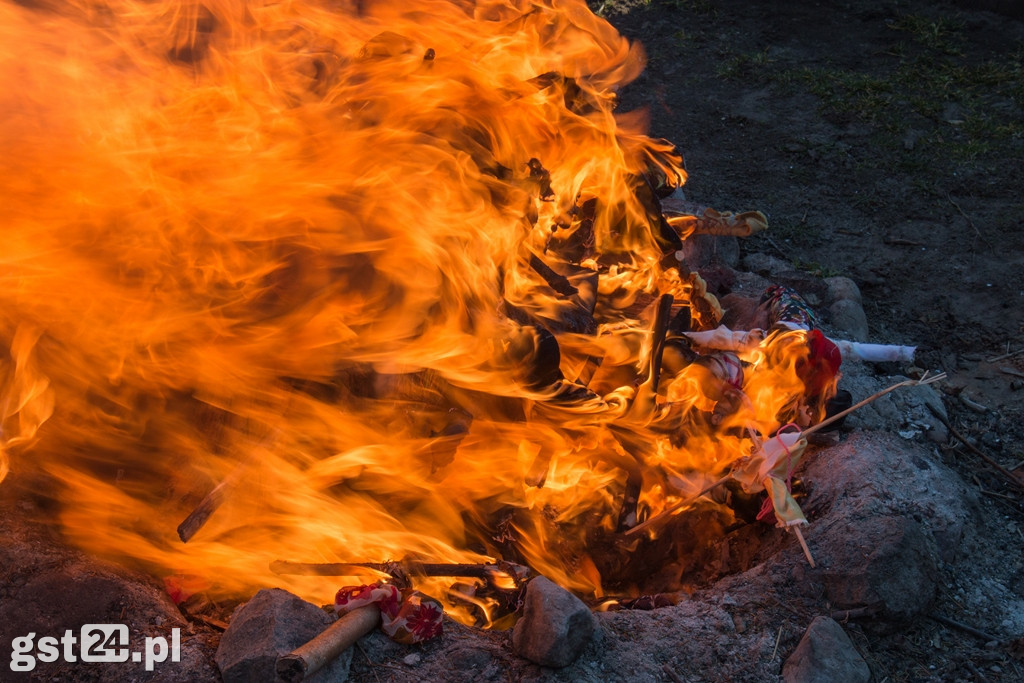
389	271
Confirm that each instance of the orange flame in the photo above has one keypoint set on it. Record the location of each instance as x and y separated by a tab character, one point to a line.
293	246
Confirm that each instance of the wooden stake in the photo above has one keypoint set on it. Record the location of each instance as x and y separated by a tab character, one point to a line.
872	398
803	544
338	637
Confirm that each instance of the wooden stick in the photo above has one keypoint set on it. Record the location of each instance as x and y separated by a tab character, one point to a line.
516	572
778	637
1011	477
1011	371
671	674
872	398
987	637
1005	356
803	544
335	639
855	613
555	280
661	321
207	506
665	513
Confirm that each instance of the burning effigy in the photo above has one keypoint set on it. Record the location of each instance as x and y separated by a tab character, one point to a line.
345	284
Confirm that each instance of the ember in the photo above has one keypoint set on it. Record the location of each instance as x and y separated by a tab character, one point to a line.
345	283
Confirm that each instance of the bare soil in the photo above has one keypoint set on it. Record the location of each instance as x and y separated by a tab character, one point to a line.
884	142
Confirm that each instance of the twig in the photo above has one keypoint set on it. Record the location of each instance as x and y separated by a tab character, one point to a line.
803	545
872	398
987	637
210	621
335	639
969	221
1007	474
369	661
900	242
974	405
375	665
994	494
671	674
778	637
1011	354
1011	371
776	246
855	613
974	670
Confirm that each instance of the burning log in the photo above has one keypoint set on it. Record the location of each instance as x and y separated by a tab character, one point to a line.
498	574
206	507
338	637
556	281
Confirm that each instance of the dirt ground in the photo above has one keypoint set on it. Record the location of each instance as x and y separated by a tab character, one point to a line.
884	142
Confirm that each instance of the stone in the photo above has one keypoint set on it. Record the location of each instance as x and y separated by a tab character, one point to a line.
888	564
848	317
842	288
556	626
825	654
273	623
765	265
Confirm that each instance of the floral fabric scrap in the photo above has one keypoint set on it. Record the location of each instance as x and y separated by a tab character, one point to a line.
407	616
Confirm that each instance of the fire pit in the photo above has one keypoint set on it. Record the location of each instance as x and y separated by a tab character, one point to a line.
295	292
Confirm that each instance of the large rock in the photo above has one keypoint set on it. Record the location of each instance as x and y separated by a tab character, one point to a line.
903	513
825	655
842	288
886	563
849	318
273	623
556	626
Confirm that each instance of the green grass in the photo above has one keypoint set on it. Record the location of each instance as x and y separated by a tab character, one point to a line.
962	110
938	34
816	269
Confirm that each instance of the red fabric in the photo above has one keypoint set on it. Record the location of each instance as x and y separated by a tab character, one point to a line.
819	371
407	616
